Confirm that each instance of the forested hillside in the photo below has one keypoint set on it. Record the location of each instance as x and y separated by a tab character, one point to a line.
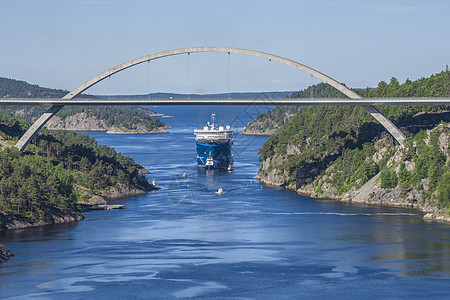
58	171
11	88
338	151
434	86
269	122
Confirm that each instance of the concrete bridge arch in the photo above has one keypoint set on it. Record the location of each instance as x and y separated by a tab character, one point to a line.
34	129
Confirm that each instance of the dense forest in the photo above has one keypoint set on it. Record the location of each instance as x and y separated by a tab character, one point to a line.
269	122
342	148
434	86
58	171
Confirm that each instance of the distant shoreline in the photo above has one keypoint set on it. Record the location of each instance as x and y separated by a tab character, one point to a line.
112	131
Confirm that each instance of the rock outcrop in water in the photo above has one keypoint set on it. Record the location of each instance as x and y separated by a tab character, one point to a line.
5	254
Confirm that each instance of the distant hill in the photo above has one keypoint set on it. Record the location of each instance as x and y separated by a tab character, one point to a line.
243	95
12	88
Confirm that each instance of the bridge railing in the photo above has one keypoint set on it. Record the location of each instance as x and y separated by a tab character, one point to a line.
227	101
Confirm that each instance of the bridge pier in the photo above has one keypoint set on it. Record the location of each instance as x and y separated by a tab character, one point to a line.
390	127
37	125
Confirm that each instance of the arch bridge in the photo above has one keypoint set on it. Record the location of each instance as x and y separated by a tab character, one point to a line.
355	98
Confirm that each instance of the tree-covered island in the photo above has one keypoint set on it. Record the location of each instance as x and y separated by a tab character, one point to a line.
58	174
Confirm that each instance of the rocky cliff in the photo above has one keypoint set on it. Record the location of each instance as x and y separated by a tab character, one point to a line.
417	175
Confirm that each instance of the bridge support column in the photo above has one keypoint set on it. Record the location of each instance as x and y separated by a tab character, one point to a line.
388	125
38	124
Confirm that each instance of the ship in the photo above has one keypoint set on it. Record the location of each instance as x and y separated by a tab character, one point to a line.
214	146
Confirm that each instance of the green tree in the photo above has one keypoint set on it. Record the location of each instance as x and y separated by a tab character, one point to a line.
388	179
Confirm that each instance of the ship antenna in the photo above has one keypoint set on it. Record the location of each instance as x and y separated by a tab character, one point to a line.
213	118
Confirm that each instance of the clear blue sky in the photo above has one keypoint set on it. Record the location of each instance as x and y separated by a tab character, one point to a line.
62	43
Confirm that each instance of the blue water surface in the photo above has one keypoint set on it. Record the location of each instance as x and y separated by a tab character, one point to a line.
253	242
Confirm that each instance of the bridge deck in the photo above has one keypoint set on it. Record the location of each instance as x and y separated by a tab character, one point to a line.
207	101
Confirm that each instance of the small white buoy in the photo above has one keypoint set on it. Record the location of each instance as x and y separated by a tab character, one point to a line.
153	182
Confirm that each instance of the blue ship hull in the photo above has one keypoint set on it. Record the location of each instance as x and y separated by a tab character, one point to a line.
220	154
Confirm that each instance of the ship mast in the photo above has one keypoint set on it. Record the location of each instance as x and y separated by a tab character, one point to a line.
213	119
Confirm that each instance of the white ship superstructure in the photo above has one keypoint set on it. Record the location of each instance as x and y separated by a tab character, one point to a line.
212	134
214	145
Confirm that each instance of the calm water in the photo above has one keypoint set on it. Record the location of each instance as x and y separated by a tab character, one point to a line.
253	242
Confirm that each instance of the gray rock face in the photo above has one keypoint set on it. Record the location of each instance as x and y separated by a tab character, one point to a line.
5	254
79	121
13	222
271	177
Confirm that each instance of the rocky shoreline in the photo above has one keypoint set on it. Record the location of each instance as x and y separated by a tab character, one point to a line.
387	199
113	194
5	254
125	131
245	132
14	222
415	196
11	222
